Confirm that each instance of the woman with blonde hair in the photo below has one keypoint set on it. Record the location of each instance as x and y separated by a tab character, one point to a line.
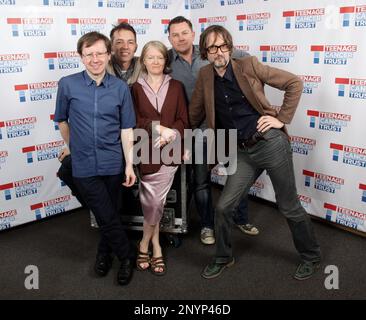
157	98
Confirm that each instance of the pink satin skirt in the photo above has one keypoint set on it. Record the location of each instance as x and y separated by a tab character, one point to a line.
153	190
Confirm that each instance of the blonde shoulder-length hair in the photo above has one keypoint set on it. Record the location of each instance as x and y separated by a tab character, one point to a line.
162	49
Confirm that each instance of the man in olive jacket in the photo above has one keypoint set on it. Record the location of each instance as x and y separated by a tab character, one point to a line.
229	93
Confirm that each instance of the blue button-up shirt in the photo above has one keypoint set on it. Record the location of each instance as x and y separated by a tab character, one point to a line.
96	115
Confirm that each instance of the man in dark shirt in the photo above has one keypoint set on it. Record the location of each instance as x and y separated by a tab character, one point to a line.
229	93
185	64
95	115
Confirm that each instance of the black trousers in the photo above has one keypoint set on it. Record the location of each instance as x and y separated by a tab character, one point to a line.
65	174
102	194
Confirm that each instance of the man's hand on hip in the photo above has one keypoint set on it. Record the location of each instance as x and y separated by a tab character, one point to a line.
267	122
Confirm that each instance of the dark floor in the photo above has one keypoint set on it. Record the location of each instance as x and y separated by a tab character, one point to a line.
63	248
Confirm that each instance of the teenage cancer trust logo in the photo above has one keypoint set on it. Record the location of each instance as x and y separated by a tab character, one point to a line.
303	19
55	124
322	182
253	21
59	3
30	27
17	128
7	218
22	188
13	62
231	2
45	151
206	22
278	53
344	216
141	26
304	200
353	156
81	26
353	16
356	87
333	54
62	60
302	145
36	91
113	3
194	4
310	82
51	207
157	4
328	121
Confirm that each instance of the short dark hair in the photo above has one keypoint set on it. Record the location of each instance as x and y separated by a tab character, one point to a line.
179	19
122	26
218	30
88	39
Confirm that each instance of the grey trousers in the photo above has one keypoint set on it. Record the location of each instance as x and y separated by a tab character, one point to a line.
274	155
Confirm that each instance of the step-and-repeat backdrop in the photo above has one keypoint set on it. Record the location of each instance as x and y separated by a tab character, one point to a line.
321	41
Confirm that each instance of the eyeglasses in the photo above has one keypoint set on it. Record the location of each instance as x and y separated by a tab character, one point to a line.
98	55
152	59
213	49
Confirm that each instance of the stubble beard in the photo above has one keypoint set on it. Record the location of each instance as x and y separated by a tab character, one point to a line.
220	62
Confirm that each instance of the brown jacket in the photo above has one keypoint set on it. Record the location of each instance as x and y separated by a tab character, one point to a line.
251	76
173	115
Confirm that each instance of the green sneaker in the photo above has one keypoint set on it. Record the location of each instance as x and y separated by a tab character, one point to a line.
305	270
214	269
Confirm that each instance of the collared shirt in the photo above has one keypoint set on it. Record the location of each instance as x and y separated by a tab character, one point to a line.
188	73
156	98
233	110
96	115
185	72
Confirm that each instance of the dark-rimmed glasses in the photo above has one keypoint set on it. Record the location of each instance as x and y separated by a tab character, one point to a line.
213	49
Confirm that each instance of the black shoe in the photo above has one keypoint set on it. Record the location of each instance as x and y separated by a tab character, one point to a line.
125	271
103	264
306	269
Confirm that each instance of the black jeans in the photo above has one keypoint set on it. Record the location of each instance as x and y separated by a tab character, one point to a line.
102	195
274	155
65	174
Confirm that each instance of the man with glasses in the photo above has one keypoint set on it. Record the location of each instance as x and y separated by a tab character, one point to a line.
124	65
185	62
95	115
229	93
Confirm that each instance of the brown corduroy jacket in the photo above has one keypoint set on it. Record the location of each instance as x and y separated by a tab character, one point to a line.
251	76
